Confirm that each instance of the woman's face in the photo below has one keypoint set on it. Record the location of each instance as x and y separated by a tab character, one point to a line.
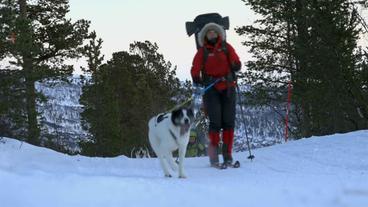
211	34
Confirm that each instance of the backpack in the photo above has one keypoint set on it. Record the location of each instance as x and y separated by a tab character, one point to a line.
201	20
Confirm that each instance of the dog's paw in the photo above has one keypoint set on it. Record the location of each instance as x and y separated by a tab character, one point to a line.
168	176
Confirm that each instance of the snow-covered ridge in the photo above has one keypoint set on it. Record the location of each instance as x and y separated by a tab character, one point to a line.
329	171
61	113
61	117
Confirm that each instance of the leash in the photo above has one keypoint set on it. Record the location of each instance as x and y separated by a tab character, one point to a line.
201	93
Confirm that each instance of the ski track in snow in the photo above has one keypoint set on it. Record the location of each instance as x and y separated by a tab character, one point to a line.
330	171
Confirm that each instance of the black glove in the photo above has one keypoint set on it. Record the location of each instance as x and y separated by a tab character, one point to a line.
235	67
230	77
208	80
197	80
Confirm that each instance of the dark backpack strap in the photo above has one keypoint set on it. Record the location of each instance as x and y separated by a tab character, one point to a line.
231	76
203	72
224	49
205	57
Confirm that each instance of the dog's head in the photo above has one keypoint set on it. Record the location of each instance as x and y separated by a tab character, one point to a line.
183	118
141	153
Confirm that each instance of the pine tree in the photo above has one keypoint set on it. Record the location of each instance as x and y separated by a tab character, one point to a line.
123	94
42	38
312	44
12	110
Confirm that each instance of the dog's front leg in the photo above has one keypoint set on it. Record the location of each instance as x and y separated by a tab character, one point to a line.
171	161
181	162
163	165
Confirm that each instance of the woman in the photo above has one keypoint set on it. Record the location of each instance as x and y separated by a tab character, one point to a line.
216	59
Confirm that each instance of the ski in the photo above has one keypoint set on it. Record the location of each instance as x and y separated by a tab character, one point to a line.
224	166
219	166
236	164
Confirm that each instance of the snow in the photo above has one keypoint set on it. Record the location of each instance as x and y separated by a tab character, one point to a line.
60	115
329	171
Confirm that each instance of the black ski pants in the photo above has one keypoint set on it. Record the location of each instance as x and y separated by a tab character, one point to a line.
220	106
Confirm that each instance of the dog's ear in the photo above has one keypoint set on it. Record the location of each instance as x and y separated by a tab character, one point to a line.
176	116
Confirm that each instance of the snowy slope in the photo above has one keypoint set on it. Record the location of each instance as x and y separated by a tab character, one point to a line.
61	113
329	171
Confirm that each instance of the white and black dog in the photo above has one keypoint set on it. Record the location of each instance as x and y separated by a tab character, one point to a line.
169	132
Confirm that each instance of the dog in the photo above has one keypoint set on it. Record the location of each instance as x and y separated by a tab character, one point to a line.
168	132
140	153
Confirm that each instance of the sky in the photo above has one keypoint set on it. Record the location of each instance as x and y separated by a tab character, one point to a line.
121	22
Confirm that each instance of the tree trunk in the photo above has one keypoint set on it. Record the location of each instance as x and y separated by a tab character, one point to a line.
301	47
33	130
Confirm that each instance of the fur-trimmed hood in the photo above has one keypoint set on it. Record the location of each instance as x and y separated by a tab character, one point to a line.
210	26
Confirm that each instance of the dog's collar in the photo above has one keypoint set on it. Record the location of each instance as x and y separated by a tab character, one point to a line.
173	136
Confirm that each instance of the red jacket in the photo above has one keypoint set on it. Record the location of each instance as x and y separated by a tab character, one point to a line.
217	64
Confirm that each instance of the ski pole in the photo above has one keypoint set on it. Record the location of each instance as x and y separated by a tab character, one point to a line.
251	157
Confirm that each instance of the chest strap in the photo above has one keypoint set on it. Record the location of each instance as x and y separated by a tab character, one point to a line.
173	136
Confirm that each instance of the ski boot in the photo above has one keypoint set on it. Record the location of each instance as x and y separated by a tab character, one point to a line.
213	155
228	159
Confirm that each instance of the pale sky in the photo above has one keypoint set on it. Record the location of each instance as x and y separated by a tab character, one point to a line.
121	22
